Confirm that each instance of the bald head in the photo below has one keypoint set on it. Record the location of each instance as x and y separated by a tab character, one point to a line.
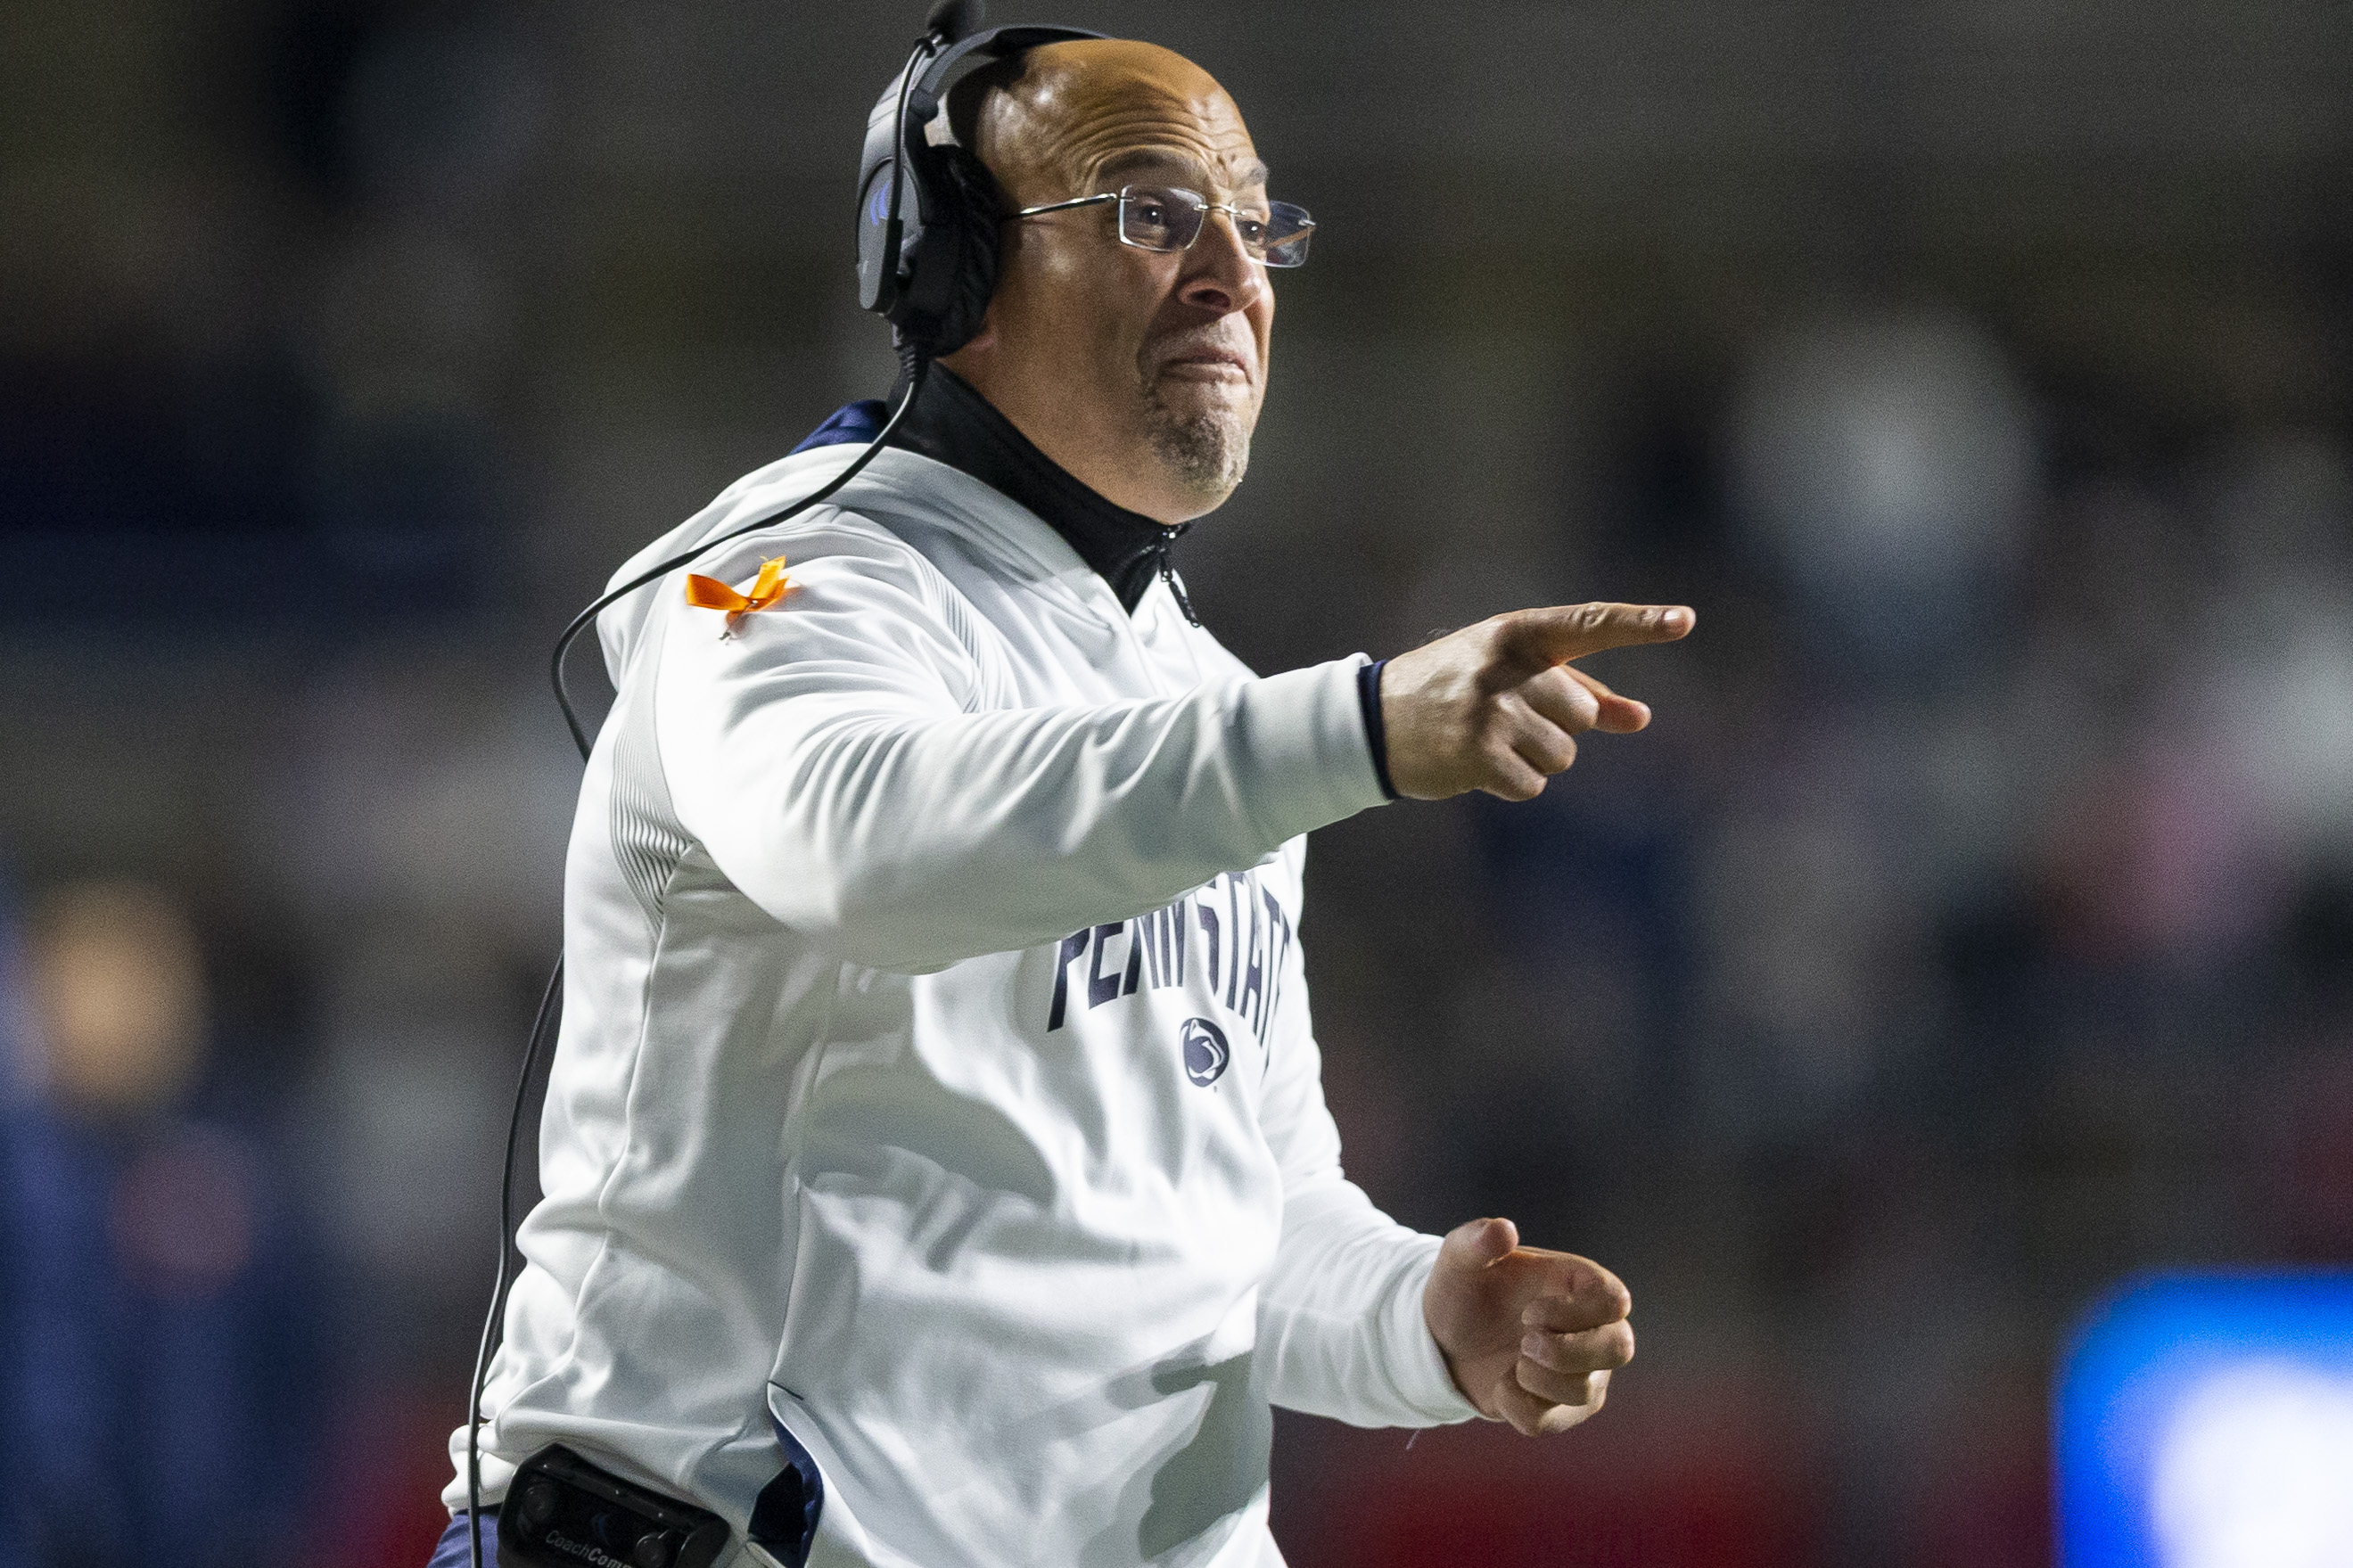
1053	121
1140	371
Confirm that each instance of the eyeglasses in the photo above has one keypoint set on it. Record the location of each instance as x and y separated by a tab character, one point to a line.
1167	218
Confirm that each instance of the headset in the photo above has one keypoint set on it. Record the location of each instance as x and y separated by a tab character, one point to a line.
928	268
930	272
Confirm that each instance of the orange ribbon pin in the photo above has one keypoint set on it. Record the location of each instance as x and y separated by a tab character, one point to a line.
711	594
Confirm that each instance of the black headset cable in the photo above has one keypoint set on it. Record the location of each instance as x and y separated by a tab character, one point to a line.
915	363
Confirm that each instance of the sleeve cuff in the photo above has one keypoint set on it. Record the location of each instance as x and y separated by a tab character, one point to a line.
1299	744
1377	736
1415	1361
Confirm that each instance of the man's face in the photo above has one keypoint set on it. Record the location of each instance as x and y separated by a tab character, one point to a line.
1139	372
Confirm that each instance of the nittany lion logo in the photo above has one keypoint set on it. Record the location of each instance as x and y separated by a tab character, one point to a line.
1205	1051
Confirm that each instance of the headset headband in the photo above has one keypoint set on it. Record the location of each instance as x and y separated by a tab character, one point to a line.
924	98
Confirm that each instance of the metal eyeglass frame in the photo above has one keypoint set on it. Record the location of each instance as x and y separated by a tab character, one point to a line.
1200	205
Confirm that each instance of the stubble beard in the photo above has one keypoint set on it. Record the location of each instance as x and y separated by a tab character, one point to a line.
1208	451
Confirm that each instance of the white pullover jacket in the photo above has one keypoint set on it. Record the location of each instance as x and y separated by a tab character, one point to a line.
936	1092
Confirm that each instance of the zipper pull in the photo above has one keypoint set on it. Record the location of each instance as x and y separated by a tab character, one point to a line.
1168	575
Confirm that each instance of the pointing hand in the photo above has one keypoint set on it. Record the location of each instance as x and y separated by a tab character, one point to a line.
1497	707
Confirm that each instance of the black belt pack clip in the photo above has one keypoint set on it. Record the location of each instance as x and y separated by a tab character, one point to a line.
561	1511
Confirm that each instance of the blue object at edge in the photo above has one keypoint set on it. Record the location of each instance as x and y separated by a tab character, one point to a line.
2151	1336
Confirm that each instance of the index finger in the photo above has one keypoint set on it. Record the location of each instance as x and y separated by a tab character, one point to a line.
1563	632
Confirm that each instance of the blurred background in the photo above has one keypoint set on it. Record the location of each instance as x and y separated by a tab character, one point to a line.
1972	930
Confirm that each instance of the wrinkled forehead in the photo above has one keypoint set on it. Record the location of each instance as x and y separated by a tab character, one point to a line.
1091	116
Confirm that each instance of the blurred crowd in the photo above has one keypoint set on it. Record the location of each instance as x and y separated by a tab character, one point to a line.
1972	929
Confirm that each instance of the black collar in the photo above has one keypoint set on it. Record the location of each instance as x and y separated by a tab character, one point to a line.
952	424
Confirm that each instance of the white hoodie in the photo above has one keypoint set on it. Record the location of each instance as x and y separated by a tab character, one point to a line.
936	1077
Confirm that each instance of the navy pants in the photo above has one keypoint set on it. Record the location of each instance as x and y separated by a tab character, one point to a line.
456	1547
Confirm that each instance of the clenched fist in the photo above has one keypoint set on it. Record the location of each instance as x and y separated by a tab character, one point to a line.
1531	1336
1496	706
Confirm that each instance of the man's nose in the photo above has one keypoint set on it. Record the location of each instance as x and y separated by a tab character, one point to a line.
1220	275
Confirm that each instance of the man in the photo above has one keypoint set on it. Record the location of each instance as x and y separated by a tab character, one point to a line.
156	1318
936	1118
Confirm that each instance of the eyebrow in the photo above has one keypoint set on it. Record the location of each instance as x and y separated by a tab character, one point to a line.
1138	159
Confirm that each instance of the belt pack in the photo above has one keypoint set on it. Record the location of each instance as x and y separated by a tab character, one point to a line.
561	1511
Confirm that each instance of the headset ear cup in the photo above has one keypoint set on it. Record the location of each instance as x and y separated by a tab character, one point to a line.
973	212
